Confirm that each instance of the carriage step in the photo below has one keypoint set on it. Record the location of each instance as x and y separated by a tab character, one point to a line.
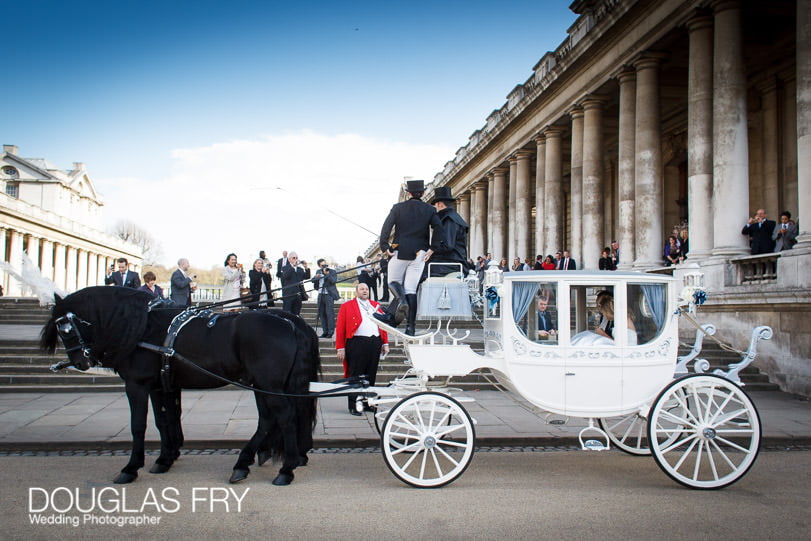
594	445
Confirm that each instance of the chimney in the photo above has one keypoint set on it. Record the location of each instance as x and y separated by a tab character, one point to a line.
11	149
78	166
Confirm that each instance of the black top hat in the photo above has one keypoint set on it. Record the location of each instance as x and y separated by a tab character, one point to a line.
415	186
442	193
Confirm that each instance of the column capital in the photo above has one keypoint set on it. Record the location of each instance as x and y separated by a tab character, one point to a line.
500	170
624	74
576	111
723	5
523	154
593	101
552	132
513	158
540	139
769	84
700	20
648	60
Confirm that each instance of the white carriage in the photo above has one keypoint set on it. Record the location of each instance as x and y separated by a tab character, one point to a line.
702	429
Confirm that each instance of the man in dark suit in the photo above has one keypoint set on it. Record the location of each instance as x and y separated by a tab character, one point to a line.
181	283
324	281
566	262
293	292
546	324
408	251
281	263
760	232
123	277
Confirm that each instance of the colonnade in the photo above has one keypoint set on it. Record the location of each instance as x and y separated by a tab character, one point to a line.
586	192
69	266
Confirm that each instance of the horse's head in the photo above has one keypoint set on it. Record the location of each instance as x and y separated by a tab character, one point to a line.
96	325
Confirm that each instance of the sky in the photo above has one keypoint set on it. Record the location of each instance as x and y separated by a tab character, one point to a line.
261	125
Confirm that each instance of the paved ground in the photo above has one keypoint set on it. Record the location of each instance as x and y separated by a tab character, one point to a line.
228	418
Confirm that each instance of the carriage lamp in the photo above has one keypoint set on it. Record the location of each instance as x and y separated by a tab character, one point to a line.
493	275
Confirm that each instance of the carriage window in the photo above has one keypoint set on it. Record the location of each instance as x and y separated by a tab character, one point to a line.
535	310
592	315
647	310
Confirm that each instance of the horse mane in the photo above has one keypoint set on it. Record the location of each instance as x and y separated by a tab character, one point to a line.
118	317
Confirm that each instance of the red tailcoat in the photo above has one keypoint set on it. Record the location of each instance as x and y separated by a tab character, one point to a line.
349	319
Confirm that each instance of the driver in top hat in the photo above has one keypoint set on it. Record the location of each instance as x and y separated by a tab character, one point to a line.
408	251
452	247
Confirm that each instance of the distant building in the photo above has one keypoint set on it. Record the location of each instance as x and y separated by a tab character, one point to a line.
55	217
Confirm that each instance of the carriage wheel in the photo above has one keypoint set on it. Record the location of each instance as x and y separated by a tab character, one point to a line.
628	433
713	437
428	439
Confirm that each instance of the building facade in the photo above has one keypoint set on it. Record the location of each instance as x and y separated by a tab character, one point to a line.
55	217
653	114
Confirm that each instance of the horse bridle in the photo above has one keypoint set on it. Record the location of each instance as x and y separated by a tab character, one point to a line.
67	327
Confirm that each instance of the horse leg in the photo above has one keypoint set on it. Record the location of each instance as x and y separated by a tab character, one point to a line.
246	456
137	395
166	408
285	413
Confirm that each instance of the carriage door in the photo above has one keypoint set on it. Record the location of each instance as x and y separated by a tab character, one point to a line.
593	375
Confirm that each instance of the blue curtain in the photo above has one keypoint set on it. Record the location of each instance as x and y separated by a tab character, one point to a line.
523	293
655	297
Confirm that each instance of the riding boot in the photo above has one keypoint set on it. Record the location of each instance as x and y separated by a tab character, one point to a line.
411	300
393	314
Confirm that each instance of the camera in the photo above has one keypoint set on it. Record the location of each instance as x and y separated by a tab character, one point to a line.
194	277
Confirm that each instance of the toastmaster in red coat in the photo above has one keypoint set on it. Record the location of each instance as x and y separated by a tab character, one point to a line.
358	340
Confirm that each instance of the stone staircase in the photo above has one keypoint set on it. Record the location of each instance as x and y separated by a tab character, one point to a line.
24	368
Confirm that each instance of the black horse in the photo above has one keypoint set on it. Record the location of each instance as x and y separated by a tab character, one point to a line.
268	350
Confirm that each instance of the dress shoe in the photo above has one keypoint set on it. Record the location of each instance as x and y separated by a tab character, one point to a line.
353	411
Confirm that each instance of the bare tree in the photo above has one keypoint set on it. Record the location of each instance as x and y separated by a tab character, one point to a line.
130	232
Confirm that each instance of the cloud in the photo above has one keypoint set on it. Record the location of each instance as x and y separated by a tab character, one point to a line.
277	192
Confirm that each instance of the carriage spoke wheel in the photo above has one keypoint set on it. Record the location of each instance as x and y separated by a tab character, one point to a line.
628	433
428	440
711	439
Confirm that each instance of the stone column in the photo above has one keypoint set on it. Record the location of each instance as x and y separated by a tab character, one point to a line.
491	190
92	269
32	249
480	210
510	221
15	257
473	242
523	205
648	165
576	192
464	207
699	138
804	123
498	216
540	186
4	277
71	264
553	192
626	161
47	259
81	268
59	266
770	151
592	195
730	138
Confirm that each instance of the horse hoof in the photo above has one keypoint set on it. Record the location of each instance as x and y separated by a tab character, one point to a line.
124	478
263	457
283	479
159	468
303	460
238	475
